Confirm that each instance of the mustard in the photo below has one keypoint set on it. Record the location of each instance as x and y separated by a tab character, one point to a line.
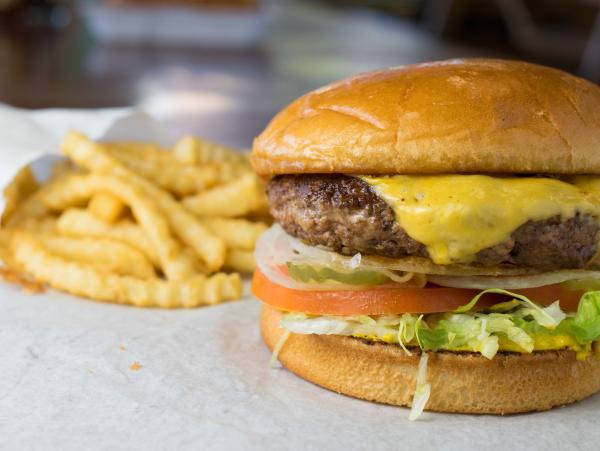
541	342
456	216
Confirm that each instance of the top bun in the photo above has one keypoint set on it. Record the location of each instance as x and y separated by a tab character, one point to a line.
474	115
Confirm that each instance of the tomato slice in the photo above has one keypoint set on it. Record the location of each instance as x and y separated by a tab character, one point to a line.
386	300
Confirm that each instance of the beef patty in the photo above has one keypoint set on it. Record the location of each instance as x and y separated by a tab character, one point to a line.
345	214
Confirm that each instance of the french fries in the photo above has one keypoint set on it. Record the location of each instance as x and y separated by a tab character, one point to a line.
102	253
66	275
236	233
4	240
176	264
106	207
241	261
193	150
135	223
221	201
174	177
93	157
81	222
22	186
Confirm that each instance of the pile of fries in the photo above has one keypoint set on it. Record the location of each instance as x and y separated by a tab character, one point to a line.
137	224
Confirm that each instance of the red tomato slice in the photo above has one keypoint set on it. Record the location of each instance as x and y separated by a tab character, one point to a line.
386	300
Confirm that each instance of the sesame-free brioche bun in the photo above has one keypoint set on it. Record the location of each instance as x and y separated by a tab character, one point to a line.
460	382
473	116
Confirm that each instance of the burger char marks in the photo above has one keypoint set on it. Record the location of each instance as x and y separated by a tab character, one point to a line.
343	213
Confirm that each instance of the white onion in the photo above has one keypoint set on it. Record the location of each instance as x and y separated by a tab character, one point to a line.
514	282
287	248
275	248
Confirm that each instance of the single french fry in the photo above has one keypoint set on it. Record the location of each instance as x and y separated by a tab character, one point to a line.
33	207
175	264
106	207
237	233
194	150
241	261
76	221
233	199
179	179
145	151
104	254
79	279
95	158
43	224
4	240
23	185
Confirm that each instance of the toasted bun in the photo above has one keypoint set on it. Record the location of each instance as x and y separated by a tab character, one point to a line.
460	382
479	115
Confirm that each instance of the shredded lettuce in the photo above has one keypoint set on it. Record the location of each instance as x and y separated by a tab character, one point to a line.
549	317
422	391
273	362
516	325
586	324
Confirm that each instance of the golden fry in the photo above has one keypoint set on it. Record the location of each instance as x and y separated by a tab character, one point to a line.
104	254
20	188
81	222
237	233
24	281
43	224
86	281
4	240
193	150
106	207
93	157
176	264
173	176
140	151
241	261
237	198
33	207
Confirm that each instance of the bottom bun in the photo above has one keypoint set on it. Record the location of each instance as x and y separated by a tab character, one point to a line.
460	382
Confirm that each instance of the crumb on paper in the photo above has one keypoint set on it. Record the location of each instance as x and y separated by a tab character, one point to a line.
121	348
28	285
135	366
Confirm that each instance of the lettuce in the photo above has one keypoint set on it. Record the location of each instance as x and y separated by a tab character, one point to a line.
550	316
515	325
430	339
586	324
422	391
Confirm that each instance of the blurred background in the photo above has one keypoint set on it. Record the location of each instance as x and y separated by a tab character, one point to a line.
222	68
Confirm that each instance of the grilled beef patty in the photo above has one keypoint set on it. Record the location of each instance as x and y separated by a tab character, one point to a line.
345	214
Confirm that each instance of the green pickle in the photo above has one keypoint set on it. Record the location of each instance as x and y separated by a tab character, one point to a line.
321	274
582	284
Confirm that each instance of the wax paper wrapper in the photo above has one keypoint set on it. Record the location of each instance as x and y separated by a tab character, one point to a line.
77	374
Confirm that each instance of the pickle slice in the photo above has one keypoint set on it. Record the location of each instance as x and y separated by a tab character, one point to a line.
582	284
321	274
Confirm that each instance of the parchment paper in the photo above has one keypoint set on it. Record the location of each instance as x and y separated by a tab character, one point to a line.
67	381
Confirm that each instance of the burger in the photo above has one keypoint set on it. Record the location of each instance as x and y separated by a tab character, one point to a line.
436	237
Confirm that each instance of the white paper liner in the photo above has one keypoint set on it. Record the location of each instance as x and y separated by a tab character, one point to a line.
66	380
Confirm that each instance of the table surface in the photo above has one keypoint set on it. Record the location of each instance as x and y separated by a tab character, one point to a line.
227	95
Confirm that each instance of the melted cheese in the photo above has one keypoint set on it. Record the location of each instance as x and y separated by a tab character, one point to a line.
456	216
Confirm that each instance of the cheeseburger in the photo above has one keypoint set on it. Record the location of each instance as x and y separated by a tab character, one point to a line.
436	237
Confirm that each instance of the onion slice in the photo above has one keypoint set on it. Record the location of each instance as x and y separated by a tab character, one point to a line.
514	282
